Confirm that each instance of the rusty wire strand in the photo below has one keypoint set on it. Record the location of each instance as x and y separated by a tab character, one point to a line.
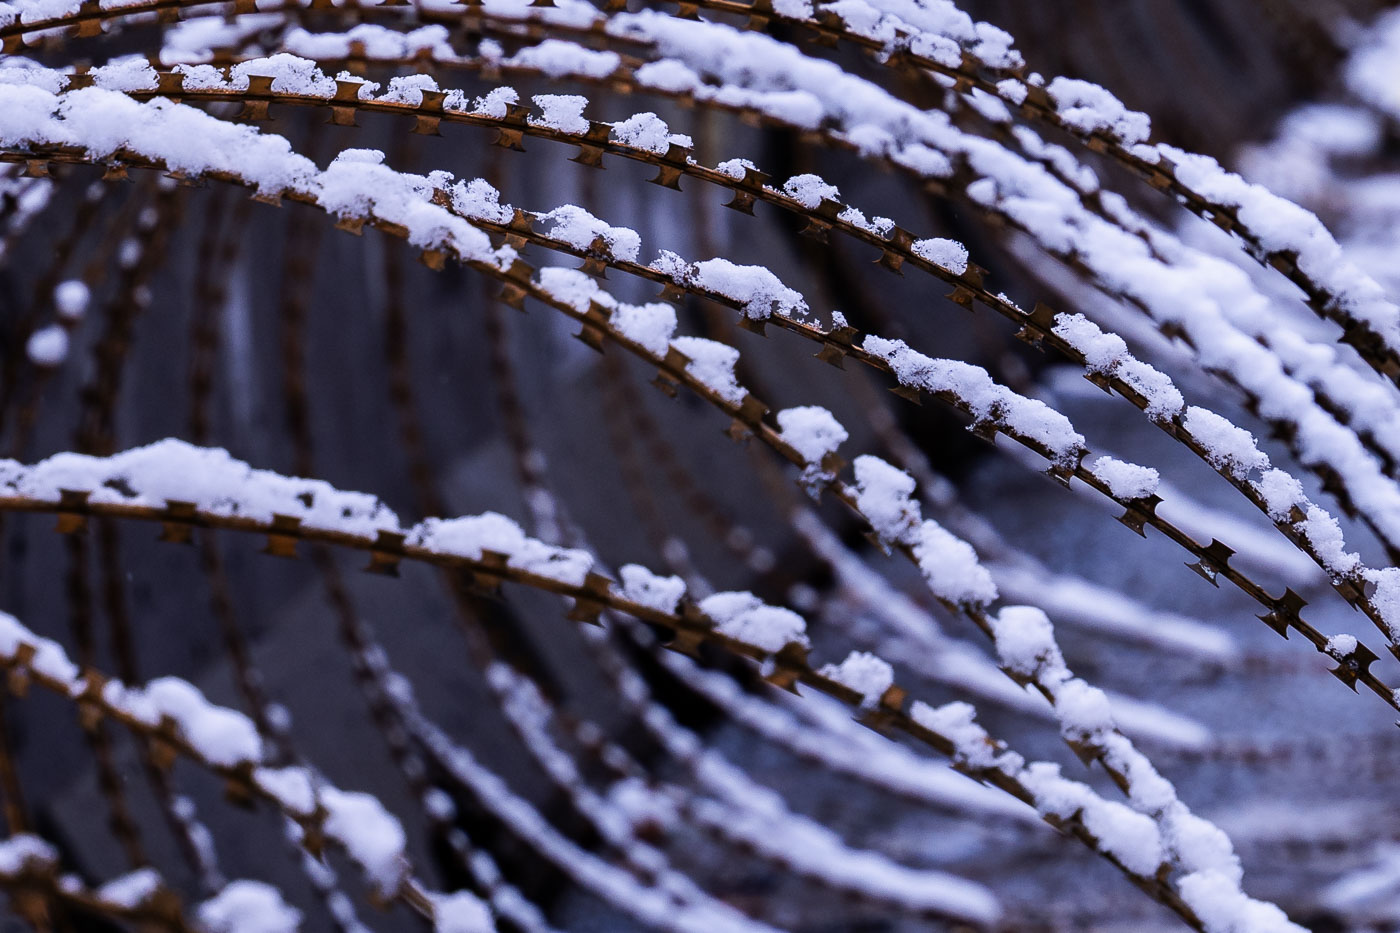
37	891
239	780
42	296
